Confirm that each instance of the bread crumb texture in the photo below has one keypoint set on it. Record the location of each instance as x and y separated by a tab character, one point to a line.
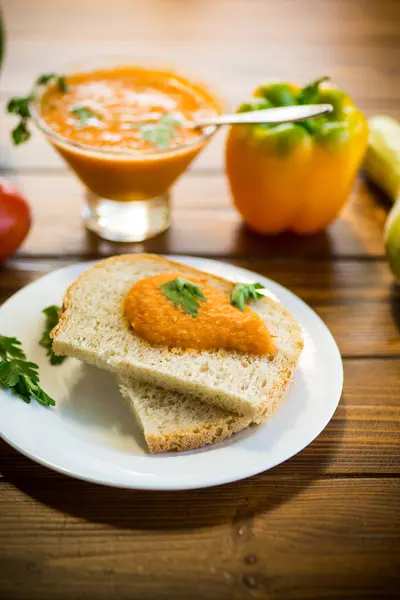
172	421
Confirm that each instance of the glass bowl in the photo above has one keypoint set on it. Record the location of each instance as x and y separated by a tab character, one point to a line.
128	191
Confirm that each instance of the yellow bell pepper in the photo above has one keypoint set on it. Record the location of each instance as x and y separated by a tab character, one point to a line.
295	176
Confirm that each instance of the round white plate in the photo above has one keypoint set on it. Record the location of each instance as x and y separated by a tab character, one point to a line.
90	433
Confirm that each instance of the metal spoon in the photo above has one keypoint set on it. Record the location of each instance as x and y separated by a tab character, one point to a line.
282	114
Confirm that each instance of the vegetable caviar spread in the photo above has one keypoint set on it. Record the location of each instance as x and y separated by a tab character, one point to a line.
167	309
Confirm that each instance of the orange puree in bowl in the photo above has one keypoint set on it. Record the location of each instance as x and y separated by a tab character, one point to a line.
218	324
108	150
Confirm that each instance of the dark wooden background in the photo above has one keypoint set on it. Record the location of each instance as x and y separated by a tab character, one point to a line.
326	524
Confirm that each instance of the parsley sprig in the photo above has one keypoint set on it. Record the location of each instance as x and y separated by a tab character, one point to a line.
20	375
185	294
52	314
59	79
84	115
161	132
19	105
243	291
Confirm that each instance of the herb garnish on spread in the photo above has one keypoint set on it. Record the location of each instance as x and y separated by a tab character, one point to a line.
184	293
243	291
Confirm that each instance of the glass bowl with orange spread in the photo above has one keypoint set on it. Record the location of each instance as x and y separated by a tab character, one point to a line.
121	129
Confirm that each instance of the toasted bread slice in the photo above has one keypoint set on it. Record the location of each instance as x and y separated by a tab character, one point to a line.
171	421
93	328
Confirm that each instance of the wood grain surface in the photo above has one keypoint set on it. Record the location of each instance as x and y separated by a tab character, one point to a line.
260	538
204	222
323	525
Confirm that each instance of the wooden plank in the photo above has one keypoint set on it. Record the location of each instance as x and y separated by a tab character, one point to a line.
203	222
356	300
295	539
371	382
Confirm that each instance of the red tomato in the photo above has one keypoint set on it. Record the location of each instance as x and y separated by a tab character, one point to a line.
15	218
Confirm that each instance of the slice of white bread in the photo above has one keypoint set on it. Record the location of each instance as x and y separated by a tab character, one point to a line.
93	328
172	421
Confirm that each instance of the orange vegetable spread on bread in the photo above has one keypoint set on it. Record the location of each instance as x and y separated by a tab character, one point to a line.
214	322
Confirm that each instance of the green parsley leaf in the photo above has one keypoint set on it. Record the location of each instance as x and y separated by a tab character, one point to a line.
20	133
185	294
11	346
45	78
42	397
243	291
309	93
161	133
20	106
9	374
60	79
62	84
52	315
30	369
84	115
20	375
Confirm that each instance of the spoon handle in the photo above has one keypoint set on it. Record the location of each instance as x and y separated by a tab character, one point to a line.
283	114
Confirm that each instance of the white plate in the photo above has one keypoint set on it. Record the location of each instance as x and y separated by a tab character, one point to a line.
90	433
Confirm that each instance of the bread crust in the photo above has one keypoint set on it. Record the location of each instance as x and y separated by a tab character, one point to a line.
188	437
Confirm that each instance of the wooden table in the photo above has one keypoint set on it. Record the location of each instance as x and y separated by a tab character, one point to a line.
324	524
